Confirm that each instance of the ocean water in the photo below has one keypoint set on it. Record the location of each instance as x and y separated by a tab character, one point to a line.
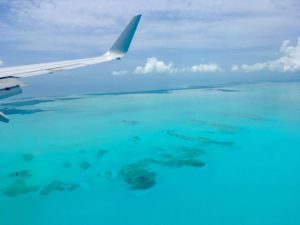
214	156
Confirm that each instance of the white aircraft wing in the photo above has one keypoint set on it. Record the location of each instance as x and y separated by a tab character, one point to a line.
9	76
46	68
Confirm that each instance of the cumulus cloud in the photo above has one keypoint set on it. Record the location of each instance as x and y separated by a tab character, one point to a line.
119	73
288	62
153	65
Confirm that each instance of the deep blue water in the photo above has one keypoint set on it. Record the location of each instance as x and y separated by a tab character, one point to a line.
211	156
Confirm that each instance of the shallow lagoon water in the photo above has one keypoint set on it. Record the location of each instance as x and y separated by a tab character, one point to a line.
202	156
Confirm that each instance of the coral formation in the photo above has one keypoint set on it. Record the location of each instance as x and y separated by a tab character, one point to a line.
138	177
28	157
136	139
21	174
101	153
177	162
219	126
181	157
59	186
84	165
19	187
199	139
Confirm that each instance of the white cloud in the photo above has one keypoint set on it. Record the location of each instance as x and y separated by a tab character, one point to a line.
153	65
1	62
212	67
119	73
288	62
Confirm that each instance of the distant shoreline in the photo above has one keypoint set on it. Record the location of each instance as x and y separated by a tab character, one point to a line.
221	87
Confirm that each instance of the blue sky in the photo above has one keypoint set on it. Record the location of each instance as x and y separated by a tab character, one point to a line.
176	40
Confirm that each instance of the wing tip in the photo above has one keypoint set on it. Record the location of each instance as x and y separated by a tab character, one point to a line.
123	42
138	16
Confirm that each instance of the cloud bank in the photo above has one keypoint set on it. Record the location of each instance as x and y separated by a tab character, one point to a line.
288	62
156	66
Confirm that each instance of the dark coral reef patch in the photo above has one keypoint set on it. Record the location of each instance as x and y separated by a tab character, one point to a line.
28	157
59	186
189	152
101	153
224	128
19	187
199	139
177	162
136	139
21	174
84	165
138	177
180	157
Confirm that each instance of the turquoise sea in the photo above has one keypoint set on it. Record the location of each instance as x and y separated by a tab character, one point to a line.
227	155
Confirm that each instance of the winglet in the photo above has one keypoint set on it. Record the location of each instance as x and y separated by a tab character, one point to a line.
3	118
122	44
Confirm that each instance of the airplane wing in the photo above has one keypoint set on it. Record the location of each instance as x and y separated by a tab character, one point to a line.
117	51
9	76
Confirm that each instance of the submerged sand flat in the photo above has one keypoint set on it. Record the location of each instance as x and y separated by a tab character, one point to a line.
200	156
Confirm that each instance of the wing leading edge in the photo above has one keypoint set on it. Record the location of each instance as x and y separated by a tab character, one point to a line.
10	86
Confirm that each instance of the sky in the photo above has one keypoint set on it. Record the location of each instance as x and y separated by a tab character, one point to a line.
178	42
